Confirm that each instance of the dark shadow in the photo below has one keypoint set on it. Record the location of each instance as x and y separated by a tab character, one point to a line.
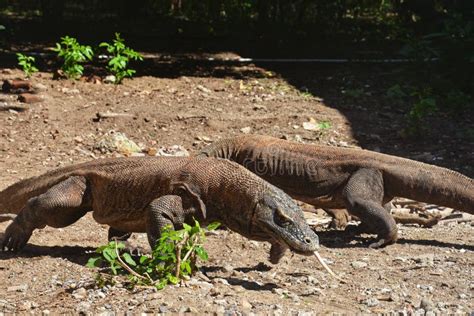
340	239
435	243
259	267
76	254
250	285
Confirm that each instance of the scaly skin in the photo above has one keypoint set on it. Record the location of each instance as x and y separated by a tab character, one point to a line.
146	194
361	181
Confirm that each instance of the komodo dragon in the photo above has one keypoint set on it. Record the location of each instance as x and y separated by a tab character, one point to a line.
147	193
362	181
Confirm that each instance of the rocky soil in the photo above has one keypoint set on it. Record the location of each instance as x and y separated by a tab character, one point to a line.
429	271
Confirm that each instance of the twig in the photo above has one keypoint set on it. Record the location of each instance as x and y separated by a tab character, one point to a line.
104	115
325	266
178	260
130	270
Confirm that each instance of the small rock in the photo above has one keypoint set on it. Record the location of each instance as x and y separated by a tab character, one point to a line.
109	79
185	309
45	312
115	141
175	151
220	302
427	304
220	281
371	302
425	260
29	98
228	268
358	264
17	288
246	130
298	138
70	91
40	87
257	107
83	307
80	293
163	309
203	89
246	304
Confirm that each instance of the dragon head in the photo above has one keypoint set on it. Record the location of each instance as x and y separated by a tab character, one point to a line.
279	217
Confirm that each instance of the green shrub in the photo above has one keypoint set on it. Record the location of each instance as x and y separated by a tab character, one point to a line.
121	56
172	259
73	55
27	64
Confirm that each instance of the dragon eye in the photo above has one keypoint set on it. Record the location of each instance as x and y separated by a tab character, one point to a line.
281	219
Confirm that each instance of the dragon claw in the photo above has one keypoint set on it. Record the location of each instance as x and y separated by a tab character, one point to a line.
15	238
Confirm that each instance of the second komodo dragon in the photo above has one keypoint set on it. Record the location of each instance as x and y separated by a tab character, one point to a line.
362	181
145	194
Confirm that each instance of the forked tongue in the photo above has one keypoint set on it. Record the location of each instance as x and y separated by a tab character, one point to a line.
325	266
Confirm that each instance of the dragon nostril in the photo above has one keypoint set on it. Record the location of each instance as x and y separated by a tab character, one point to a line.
307	240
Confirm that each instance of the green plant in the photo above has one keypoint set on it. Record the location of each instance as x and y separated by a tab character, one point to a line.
354	93
424	105
121	56
27	64
456	101
173	258
395	92
324	125
73	54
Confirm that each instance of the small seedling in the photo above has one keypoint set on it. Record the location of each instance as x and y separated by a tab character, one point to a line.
354	93
172	259
74	54
27	64
395	92
121	56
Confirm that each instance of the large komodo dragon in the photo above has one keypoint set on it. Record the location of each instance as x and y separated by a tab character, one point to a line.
362	181
146	194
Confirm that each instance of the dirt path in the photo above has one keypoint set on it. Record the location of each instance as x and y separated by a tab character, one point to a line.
432	269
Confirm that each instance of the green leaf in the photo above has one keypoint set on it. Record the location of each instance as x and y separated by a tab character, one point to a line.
109	254
172	279
128	259
143	259
94	262
213	226
187	227
202	254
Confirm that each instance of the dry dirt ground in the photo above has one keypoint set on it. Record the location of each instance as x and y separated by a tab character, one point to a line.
428	270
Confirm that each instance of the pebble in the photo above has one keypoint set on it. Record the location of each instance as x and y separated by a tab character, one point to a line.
220	281
427	304
203	89
358	264
246	130
109	79
426	260
18	288
220	302
228	268
163	309
371	302
40	87
80	293
83	307
70	91
246	305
